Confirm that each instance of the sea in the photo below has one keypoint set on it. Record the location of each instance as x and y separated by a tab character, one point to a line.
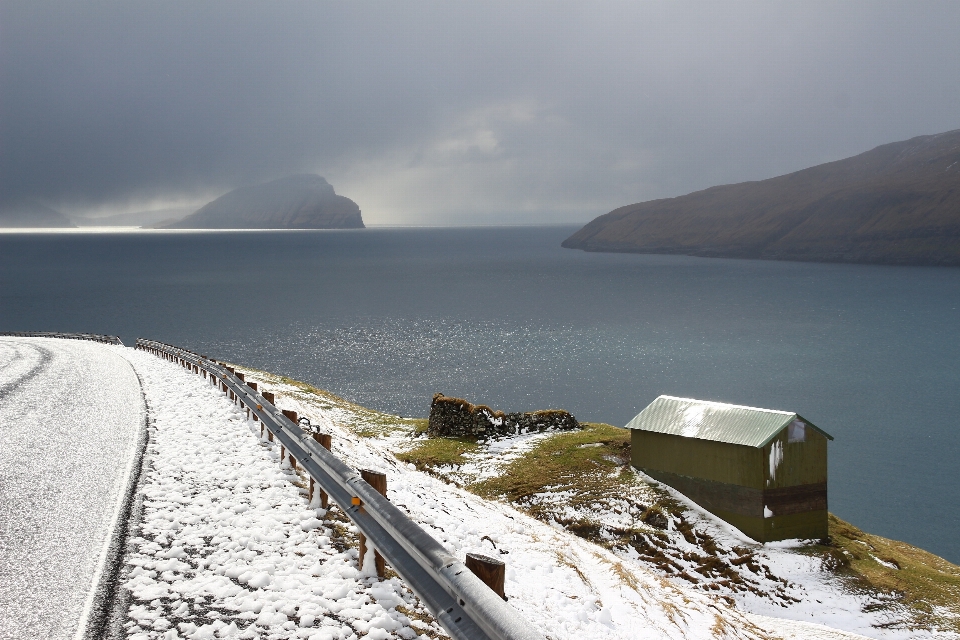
504	316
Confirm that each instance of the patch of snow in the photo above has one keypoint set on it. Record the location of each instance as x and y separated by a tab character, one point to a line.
776	457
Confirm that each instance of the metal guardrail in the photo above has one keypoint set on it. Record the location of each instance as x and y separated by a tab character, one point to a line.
69	336
464	606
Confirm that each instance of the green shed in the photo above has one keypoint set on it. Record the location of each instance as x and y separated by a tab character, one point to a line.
763	471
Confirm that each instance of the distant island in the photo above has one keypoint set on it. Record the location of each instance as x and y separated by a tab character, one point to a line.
295	202
31	214
896	204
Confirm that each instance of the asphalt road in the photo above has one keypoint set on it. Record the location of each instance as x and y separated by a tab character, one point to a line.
71	417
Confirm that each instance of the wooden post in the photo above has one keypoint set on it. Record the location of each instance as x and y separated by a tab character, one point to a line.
490	571
253	385
378	481
325	441
271	398
240	375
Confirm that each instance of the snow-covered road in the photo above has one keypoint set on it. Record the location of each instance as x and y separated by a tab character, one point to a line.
71	416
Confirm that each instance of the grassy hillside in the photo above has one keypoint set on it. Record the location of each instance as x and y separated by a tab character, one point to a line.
582	481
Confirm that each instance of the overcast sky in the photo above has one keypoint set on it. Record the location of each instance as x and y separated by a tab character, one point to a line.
453	112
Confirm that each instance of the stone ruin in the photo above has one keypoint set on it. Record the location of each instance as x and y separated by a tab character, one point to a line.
455	417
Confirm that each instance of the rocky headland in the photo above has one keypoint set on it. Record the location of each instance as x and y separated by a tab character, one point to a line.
295	202
896	204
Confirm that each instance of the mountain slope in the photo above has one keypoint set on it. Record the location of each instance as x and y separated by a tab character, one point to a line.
294	202
897	204
30	213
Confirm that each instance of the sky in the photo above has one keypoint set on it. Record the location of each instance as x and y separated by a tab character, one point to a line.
456	113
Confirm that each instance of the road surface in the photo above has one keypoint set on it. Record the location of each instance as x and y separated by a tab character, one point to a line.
71	418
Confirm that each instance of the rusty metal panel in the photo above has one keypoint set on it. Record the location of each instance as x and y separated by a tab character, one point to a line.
716	421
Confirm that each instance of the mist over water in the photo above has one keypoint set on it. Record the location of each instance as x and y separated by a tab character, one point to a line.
504	316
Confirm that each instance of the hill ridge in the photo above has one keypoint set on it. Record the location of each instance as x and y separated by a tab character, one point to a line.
898	203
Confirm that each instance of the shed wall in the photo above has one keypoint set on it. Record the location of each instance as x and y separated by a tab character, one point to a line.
716	461
802	462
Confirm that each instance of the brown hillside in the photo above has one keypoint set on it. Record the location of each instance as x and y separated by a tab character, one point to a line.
896	204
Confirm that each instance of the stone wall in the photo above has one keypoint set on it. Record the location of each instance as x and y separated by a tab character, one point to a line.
455	417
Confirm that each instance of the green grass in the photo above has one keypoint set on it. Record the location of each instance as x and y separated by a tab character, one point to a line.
580	460
428	455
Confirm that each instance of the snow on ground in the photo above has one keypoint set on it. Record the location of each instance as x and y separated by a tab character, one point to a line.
71	413
566	586
783	581
785	591
466	523
228	546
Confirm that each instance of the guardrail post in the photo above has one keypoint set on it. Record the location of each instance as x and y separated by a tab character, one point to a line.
490	571
378	481
272	399
325	441
253	385
294	419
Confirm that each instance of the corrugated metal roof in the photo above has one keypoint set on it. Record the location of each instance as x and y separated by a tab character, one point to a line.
716	421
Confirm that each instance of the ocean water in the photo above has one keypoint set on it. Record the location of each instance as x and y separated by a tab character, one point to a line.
504	316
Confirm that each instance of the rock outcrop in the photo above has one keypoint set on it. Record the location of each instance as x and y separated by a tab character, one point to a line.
896	204
294	202
455	417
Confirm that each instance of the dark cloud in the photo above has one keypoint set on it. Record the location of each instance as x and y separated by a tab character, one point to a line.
452	112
